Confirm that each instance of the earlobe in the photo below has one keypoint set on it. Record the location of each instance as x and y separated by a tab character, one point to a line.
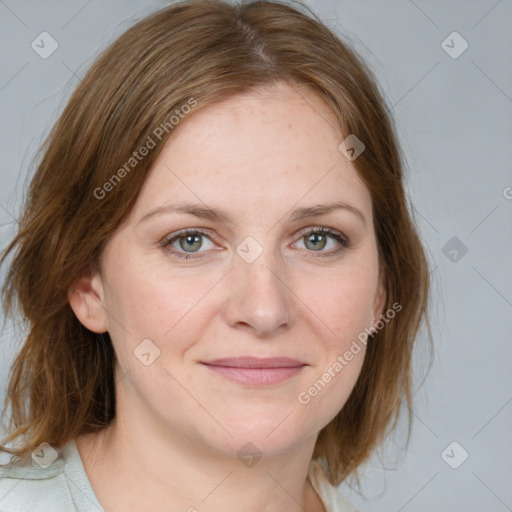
85	297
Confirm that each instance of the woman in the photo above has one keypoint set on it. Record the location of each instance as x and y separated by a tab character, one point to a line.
221	276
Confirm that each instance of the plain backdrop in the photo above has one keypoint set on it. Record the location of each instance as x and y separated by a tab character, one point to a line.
451	95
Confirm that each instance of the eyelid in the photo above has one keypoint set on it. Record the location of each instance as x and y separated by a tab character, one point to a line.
320	229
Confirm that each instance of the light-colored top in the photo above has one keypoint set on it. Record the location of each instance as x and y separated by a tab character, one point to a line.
63	486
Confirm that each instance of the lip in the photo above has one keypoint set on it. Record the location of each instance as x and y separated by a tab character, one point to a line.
256	362
256	371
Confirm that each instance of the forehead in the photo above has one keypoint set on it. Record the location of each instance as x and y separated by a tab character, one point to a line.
270	148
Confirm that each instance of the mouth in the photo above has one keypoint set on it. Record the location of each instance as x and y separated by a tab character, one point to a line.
256	371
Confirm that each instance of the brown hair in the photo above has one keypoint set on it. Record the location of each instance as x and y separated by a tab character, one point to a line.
61	383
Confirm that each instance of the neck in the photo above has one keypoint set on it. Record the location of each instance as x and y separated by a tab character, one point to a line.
132	465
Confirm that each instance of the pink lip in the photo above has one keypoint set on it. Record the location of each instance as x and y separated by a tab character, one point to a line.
256	371
256	362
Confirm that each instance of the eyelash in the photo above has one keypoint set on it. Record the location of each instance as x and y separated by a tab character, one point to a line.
343	241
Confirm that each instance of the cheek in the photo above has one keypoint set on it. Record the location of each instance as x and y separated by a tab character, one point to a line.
344	308
168	308
341	301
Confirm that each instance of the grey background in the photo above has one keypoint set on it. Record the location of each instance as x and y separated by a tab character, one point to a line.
454	121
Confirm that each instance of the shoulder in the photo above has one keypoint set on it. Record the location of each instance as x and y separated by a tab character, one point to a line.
35	483
330	495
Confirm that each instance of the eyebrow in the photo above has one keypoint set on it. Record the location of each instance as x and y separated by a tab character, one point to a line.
215	214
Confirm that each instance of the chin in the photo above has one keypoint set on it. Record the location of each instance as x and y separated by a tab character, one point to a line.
265	440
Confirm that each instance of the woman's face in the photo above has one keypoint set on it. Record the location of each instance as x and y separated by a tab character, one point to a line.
255	282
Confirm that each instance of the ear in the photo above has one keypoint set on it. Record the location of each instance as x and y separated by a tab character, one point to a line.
86	298
379	301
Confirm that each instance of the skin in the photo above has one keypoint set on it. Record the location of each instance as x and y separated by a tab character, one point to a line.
179	425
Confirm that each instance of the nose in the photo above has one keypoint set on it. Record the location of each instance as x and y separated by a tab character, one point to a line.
258	298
